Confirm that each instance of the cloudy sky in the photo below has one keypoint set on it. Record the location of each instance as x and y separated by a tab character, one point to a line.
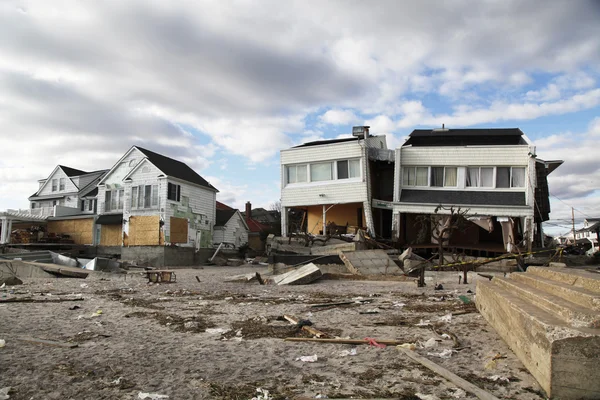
224	86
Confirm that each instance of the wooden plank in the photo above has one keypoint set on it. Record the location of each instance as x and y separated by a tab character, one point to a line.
48	342
30	300
387	342
455	379
340	303
306	328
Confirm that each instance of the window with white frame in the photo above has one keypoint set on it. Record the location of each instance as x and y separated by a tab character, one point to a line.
296	173
173	192
443	176
480	177
415	176
348	169
54	185
62	183
113	199
144	196
321	172
510	177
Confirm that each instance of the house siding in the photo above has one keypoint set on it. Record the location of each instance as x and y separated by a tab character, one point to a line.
466	156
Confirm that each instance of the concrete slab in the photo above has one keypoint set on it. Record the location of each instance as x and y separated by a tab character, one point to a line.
333	249
300	276
22	270
543	316
370	262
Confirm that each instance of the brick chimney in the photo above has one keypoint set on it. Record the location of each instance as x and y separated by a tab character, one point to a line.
248	210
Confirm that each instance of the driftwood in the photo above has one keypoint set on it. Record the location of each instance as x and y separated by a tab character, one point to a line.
48	342
455	379
30	300
346	341
341	303
306	328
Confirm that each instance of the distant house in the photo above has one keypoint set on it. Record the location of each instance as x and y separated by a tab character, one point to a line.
230	227
589	232
148	199
342	182
67	187
257	231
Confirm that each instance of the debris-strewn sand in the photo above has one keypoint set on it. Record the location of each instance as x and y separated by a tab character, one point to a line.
154	339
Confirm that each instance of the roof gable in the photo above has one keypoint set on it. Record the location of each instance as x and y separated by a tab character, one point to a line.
115	170
71	172
54	172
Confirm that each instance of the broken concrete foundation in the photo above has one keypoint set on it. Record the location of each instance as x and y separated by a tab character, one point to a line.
550	318
370	262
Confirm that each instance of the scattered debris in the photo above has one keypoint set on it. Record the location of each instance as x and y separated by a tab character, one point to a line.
446	318
263	394
369	341
301	276
346	353
311	359
370	262
74	308
152	396
305	325
161	276
198	279
2	343
465	299
30	300
4	393
409	346
439	287
447	353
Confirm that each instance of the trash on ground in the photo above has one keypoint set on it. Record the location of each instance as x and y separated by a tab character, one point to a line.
263	394
426	396
2	342
500	378
152	396
446	318
4	393
345	353
96	314
312	358
424	323
447	353
409	346
431	342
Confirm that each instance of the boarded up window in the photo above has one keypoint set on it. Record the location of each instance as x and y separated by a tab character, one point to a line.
144	230
179	230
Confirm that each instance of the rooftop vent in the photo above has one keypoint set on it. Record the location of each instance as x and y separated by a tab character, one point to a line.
360	131
442	129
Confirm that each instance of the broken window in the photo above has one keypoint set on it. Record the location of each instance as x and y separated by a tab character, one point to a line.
62	182
321	172
54	185
296	173
173	192
348	169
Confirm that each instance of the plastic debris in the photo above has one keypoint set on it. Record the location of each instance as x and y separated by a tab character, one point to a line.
263	394
216	331
465	299
447	353
312	358
96	314
458	393
152	396
500	378
345	353
2	342
84	285
445	318
117	381
446	336
429	343
410	346
424	323
4	393
438	287
398	304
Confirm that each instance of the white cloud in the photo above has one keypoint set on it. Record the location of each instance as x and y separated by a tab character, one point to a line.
339	117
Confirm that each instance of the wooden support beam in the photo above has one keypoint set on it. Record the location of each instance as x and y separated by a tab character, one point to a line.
30	300
455	379
293	320
346	341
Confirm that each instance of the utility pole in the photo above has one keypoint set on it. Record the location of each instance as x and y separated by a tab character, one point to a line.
573	221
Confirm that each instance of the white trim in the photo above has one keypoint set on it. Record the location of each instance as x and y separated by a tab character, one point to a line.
110	171
138	166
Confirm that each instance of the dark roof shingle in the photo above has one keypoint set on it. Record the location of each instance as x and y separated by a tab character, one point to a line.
223	216
330	141
466	137
463	197
71	172
174	168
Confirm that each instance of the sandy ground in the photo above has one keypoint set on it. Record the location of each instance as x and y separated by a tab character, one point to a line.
153	339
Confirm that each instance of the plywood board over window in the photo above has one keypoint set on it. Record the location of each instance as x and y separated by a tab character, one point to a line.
79	230
144	230
179	230
110	235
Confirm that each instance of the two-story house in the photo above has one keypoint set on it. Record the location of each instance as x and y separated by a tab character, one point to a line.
148	199
333	181
492	174
66	187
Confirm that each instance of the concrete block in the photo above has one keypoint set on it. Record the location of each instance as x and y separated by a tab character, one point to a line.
549	318
370	262
300	276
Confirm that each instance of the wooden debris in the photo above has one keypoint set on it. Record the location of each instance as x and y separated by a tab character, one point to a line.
301	276
346	341
340	303
455	379
198	279
48	342
260	279
30	300
306	328
486	276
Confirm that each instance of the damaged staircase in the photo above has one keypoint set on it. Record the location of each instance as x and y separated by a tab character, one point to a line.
550	318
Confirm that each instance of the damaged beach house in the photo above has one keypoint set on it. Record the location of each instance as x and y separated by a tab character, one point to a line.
493	177
147	208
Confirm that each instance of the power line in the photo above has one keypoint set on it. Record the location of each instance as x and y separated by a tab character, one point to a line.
579	211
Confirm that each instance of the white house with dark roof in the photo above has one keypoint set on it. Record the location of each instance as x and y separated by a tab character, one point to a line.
67	187
493	173
341	182
230	228
150	199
